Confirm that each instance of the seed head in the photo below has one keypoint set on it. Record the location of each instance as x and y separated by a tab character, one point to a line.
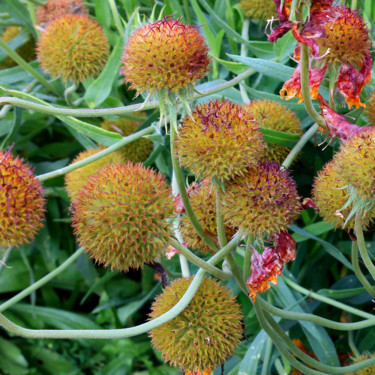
259	9
73	46
220	141
262	202
331	196
205	334
136	151
370	109
203	201
22	204
165	54
370	370
75	180
54	9
120	216
275	116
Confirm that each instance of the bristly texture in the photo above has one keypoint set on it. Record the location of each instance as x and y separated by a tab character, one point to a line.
259	9
120	216
165	54
75	180
138	150
54	9
205	334
203	201
331	196
22	204
370	109
26	50
73	47
263	201
275	116
367	370
220	141
356	161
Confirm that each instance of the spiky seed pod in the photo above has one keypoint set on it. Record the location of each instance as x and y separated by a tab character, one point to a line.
73	47
203	201
205	334
370	109
22	205
356	161
120	216
259	9
75	180
330	196
275	116
136	151
262	202
26	50
370	370
346	37
54	9
165	54
220	140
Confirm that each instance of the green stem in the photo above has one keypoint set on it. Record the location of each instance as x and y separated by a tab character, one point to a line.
332	74
247	260
200	262
117	111
68	92
244	34
305	87
116	17
267	357
20	61
352	345
279	367
44	280
185	270
124	332
187	12
299	146
5	258
362	244
357	270
328	300
354	5
97	156
291	315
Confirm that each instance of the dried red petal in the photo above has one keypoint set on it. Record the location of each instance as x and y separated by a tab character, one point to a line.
285	25
351	81
286	247
309	203
170	252
320	5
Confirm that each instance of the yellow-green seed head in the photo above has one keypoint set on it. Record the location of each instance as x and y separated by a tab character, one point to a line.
73	47
275	116
120	216
262	202
203	201
22	204
136	151
165	54
370	109
330	196
26	50
259	9
221	140
370	370
205	334
76	179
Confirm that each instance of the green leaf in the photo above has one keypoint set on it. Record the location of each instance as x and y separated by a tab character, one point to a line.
268	68
100	89
315	229
280	138
20	12
11	359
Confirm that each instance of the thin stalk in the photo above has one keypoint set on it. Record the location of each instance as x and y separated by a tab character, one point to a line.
357	270
116	17
362	244
332	74
267	357
247	261
20	61
328	300
305	87
185	270
244	34
214	271
117	111
97	156
5	258
352	345
124	332
31	273
44	280
279	367
292	315
31	8
299	146
68	92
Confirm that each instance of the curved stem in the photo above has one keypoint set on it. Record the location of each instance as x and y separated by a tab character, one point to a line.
244	34
291	315
305	87
267	357
97	156
20	61
247	260
299	146
68	92
200	262
5	258
352	346
185	270
84	112
123	332
328	300
362	244
357	270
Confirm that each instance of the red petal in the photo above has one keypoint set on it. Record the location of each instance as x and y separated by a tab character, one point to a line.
286	247
309	203
170	252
